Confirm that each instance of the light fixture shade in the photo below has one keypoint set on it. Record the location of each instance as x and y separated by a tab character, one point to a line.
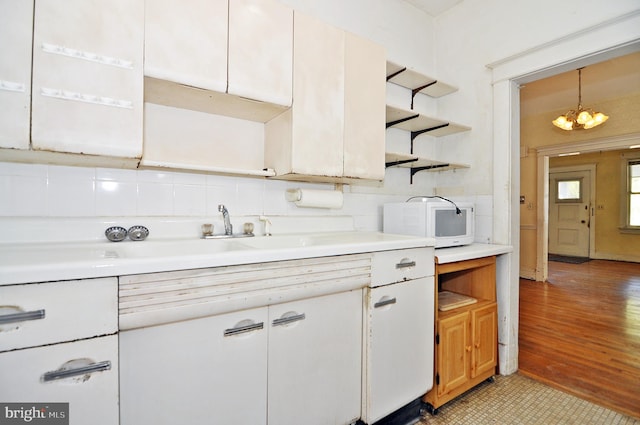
580	118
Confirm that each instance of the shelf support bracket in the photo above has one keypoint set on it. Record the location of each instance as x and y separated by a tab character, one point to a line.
415	170
392	123
400	162
400	71
417	90
415	134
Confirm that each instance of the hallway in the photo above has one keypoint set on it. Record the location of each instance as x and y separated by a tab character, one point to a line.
580	332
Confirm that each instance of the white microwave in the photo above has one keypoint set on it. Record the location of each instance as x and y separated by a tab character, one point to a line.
450	224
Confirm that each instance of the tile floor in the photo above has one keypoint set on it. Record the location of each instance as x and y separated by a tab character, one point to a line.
518	400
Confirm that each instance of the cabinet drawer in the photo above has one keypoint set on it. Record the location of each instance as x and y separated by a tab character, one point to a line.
38	314
90	385
400	265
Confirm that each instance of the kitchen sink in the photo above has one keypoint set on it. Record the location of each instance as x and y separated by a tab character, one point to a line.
176	248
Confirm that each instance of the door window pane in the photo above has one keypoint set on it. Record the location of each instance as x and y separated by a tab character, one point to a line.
569	190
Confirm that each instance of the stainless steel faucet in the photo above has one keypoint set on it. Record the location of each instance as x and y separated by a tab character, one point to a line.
228	227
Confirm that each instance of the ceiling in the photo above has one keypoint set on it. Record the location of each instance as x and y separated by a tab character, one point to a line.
434	7
602	81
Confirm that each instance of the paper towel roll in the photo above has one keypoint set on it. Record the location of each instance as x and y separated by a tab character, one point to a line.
315	198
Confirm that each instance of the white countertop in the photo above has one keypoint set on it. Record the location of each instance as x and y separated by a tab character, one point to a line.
468	252
40	262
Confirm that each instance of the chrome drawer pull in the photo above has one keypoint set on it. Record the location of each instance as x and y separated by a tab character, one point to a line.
403	265
290	319
384	302
21	317
84	370
243	329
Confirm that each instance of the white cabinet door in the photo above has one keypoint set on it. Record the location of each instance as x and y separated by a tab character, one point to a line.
260	51
92	397
186	42
399	353
365	97
209	370
308	139
315	360
87	77
16	23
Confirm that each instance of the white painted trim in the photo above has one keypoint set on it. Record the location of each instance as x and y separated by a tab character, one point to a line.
595	145
609	39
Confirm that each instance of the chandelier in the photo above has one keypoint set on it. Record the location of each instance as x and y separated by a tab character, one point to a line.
580	118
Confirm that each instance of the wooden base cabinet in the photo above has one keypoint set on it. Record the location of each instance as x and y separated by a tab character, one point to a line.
466	337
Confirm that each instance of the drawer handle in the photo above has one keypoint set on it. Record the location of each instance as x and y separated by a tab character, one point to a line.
289	319
404	265
384	302
69	373
243	329
21	317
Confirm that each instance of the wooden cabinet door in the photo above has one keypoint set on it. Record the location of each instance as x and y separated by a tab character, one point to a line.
196	372
365	97
87	93
16	23
484	334
260	51
186	42
315	348
453	352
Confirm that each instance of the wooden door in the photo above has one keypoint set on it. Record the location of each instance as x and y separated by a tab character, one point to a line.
569	207
453	352
484	334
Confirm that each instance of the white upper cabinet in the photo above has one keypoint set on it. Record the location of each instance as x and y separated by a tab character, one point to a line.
186	42
365	97
87	77
222	57
16	22
260	51
322	136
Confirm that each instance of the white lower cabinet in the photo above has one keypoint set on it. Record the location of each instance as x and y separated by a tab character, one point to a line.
290	363
35	375
315	360
399	362
209	370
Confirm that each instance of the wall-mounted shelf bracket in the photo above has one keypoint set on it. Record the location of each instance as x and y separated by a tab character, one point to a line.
400	162
401	120
415	170
416	133
417	90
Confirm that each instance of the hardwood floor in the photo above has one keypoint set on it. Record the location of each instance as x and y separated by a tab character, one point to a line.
580	332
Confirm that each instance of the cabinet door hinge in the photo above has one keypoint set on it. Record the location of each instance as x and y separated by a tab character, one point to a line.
437	379
437	338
